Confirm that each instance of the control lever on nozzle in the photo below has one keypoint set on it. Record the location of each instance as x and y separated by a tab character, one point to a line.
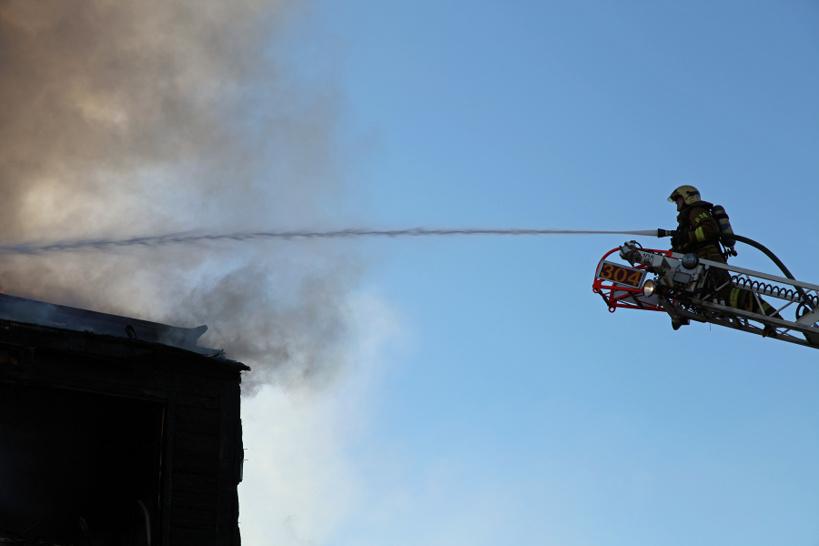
629	252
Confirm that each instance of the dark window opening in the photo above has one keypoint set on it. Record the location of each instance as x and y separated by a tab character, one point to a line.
79	469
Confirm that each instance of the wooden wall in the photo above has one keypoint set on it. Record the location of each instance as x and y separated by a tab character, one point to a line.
201	451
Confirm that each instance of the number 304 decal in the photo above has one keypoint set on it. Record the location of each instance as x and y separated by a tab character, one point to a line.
622	275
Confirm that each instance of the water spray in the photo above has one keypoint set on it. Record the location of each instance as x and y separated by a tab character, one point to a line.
349	233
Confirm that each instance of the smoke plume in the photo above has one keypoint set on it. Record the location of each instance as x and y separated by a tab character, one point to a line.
152	116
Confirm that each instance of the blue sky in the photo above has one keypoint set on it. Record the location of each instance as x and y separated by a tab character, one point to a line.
514	409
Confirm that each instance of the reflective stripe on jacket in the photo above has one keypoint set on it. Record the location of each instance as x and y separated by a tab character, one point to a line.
700	231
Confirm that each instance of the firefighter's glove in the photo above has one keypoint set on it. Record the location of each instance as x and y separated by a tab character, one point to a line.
679	239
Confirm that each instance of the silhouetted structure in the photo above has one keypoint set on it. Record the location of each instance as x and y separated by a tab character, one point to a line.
114	431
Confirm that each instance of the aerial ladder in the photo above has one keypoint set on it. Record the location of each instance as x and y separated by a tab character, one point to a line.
685	287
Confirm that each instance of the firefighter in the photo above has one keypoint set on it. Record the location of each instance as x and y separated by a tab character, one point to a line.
697	230
699	233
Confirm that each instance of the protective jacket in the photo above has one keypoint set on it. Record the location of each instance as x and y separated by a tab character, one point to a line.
698	232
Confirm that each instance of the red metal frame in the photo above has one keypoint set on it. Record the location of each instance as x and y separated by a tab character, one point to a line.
615	294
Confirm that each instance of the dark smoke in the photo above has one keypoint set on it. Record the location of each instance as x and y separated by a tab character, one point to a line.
151	116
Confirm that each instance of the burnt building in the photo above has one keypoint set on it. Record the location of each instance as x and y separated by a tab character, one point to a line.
114	431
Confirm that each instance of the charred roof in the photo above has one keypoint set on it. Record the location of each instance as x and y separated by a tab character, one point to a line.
22	315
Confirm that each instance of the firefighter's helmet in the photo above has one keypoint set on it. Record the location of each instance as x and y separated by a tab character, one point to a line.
689	194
